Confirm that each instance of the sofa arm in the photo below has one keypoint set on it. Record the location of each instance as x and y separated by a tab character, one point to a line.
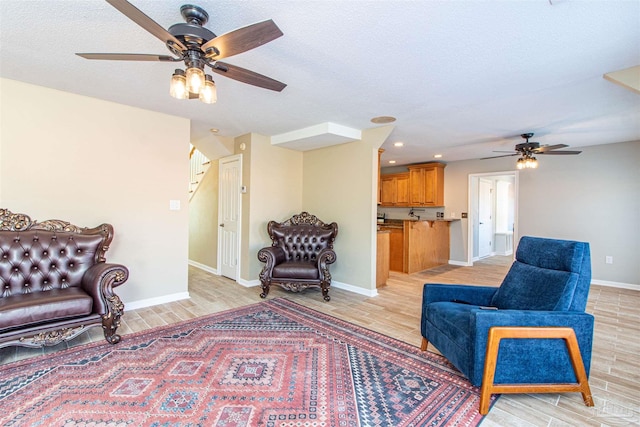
476	295
99	281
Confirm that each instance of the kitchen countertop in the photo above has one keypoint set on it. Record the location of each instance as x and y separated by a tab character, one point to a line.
399	223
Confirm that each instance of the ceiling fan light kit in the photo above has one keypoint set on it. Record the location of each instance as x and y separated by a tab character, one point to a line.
527	149
198	47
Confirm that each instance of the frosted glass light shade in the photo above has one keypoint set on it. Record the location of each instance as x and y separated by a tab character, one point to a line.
208	94
195	80
178	86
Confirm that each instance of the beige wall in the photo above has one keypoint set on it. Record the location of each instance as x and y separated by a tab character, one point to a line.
273	176
203	219
593	197
337	184
89	161
340	184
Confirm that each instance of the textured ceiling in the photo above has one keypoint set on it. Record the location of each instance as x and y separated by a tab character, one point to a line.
463	78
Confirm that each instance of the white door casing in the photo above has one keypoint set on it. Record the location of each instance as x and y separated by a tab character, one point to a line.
473	203
485	218
229	215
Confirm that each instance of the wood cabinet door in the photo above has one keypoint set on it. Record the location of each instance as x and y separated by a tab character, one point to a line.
416	187
387	191
430	186
396	250
402	190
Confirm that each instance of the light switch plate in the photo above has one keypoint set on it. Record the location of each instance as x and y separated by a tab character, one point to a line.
174	205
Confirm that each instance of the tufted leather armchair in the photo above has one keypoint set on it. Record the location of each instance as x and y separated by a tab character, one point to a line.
55	282
300	254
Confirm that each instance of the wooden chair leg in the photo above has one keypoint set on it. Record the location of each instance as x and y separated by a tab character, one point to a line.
497	333
424	344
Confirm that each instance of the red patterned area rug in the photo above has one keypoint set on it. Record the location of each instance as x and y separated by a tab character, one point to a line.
274	363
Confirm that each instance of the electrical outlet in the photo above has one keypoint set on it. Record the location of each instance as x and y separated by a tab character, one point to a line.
464	214
453	214
608	259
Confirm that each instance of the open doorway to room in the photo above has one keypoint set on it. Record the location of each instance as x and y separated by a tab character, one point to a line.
493	199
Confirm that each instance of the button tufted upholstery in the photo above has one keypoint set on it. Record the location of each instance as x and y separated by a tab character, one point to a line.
54	281
300	254
35	261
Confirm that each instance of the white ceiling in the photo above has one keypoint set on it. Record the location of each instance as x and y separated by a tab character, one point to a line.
463	78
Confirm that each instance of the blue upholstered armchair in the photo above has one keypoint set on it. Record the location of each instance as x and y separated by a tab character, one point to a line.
529	335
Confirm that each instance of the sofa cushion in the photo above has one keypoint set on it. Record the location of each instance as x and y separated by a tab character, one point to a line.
38	307
296	270
38	260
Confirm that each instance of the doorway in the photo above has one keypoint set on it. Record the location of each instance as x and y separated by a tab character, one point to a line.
492	214
229	215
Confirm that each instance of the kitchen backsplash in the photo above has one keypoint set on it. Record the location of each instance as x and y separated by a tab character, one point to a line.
403	213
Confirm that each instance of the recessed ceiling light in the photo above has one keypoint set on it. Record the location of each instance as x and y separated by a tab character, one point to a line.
392	161
398	144
437	156
383	119
214	130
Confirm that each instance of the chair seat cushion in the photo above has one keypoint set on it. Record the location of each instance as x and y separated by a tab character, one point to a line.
45	306
452	319
296	270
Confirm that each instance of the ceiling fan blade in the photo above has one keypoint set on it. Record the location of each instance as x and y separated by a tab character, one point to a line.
560	152
495	157
246	76
549	148
137	16
128	57
242	39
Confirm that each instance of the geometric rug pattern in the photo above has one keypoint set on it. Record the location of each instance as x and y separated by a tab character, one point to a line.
273	363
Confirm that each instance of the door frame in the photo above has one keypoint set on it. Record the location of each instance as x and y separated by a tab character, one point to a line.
474	179
492	208
228	159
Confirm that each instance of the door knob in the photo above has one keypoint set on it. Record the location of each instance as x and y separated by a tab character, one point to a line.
222	225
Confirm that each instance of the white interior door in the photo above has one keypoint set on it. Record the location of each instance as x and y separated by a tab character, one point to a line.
229	209
485	218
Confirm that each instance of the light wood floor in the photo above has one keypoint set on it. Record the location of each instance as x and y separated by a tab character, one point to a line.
615	368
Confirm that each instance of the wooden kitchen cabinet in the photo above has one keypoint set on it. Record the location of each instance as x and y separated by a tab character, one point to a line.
394	189
417	245
396	249
426	185
426	245
382	259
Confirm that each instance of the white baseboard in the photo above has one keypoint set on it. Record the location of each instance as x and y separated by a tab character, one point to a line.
149	302
504	253
248	283
354	289
460	263
256	282
204	267
334	284
620	285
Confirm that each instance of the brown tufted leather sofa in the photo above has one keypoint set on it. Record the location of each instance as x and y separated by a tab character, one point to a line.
300	254
54	281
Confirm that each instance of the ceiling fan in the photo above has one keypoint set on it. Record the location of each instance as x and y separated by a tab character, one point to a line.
526	151
198	47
